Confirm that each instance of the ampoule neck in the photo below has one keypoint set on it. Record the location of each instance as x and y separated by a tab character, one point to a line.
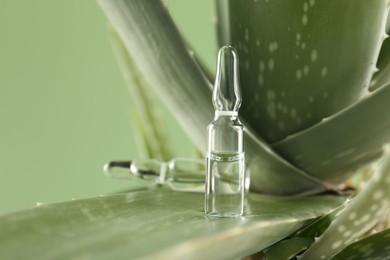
225	116
219	113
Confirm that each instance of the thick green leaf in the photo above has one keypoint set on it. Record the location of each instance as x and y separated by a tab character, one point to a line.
272	175
154	224
382	77
287	249
155	46
162	59
343	142
373	247
318	227
302	239
302	60
358	216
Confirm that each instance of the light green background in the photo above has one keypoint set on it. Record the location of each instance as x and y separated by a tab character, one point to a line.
64	107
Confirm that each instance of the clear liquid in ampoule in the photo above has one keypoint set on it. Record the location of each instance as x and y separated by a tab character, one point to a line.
224	189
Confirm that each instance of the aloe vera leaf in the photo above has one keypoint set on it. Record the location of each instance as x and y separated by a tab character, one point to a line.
287	249
153	224
148	117
359	215
318	227
270	174
303	238
302	60
155	46
373	247
382	76
343	142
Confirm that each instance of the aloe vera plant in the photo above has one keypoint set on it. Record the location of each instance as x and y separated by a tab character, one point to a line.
315	83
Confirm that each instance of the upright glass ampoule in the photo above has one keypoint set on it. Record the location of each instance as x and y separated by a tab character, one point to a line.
225	153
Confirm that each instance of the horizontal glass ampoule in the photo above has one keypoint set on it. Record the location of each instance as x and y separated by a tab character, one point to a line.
180	174
225	177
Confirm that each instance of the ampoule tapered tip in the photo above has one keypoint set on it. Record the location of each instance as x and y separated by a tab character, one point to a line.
228	50
227	94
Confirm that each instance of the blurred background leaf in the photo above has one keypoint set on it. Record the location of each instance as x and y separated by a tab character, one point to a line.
64	107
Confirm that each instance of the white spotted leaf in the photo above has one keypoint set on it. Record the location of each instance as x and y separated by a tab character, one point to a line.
376	246
343	142
301	60
153	224
358	215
